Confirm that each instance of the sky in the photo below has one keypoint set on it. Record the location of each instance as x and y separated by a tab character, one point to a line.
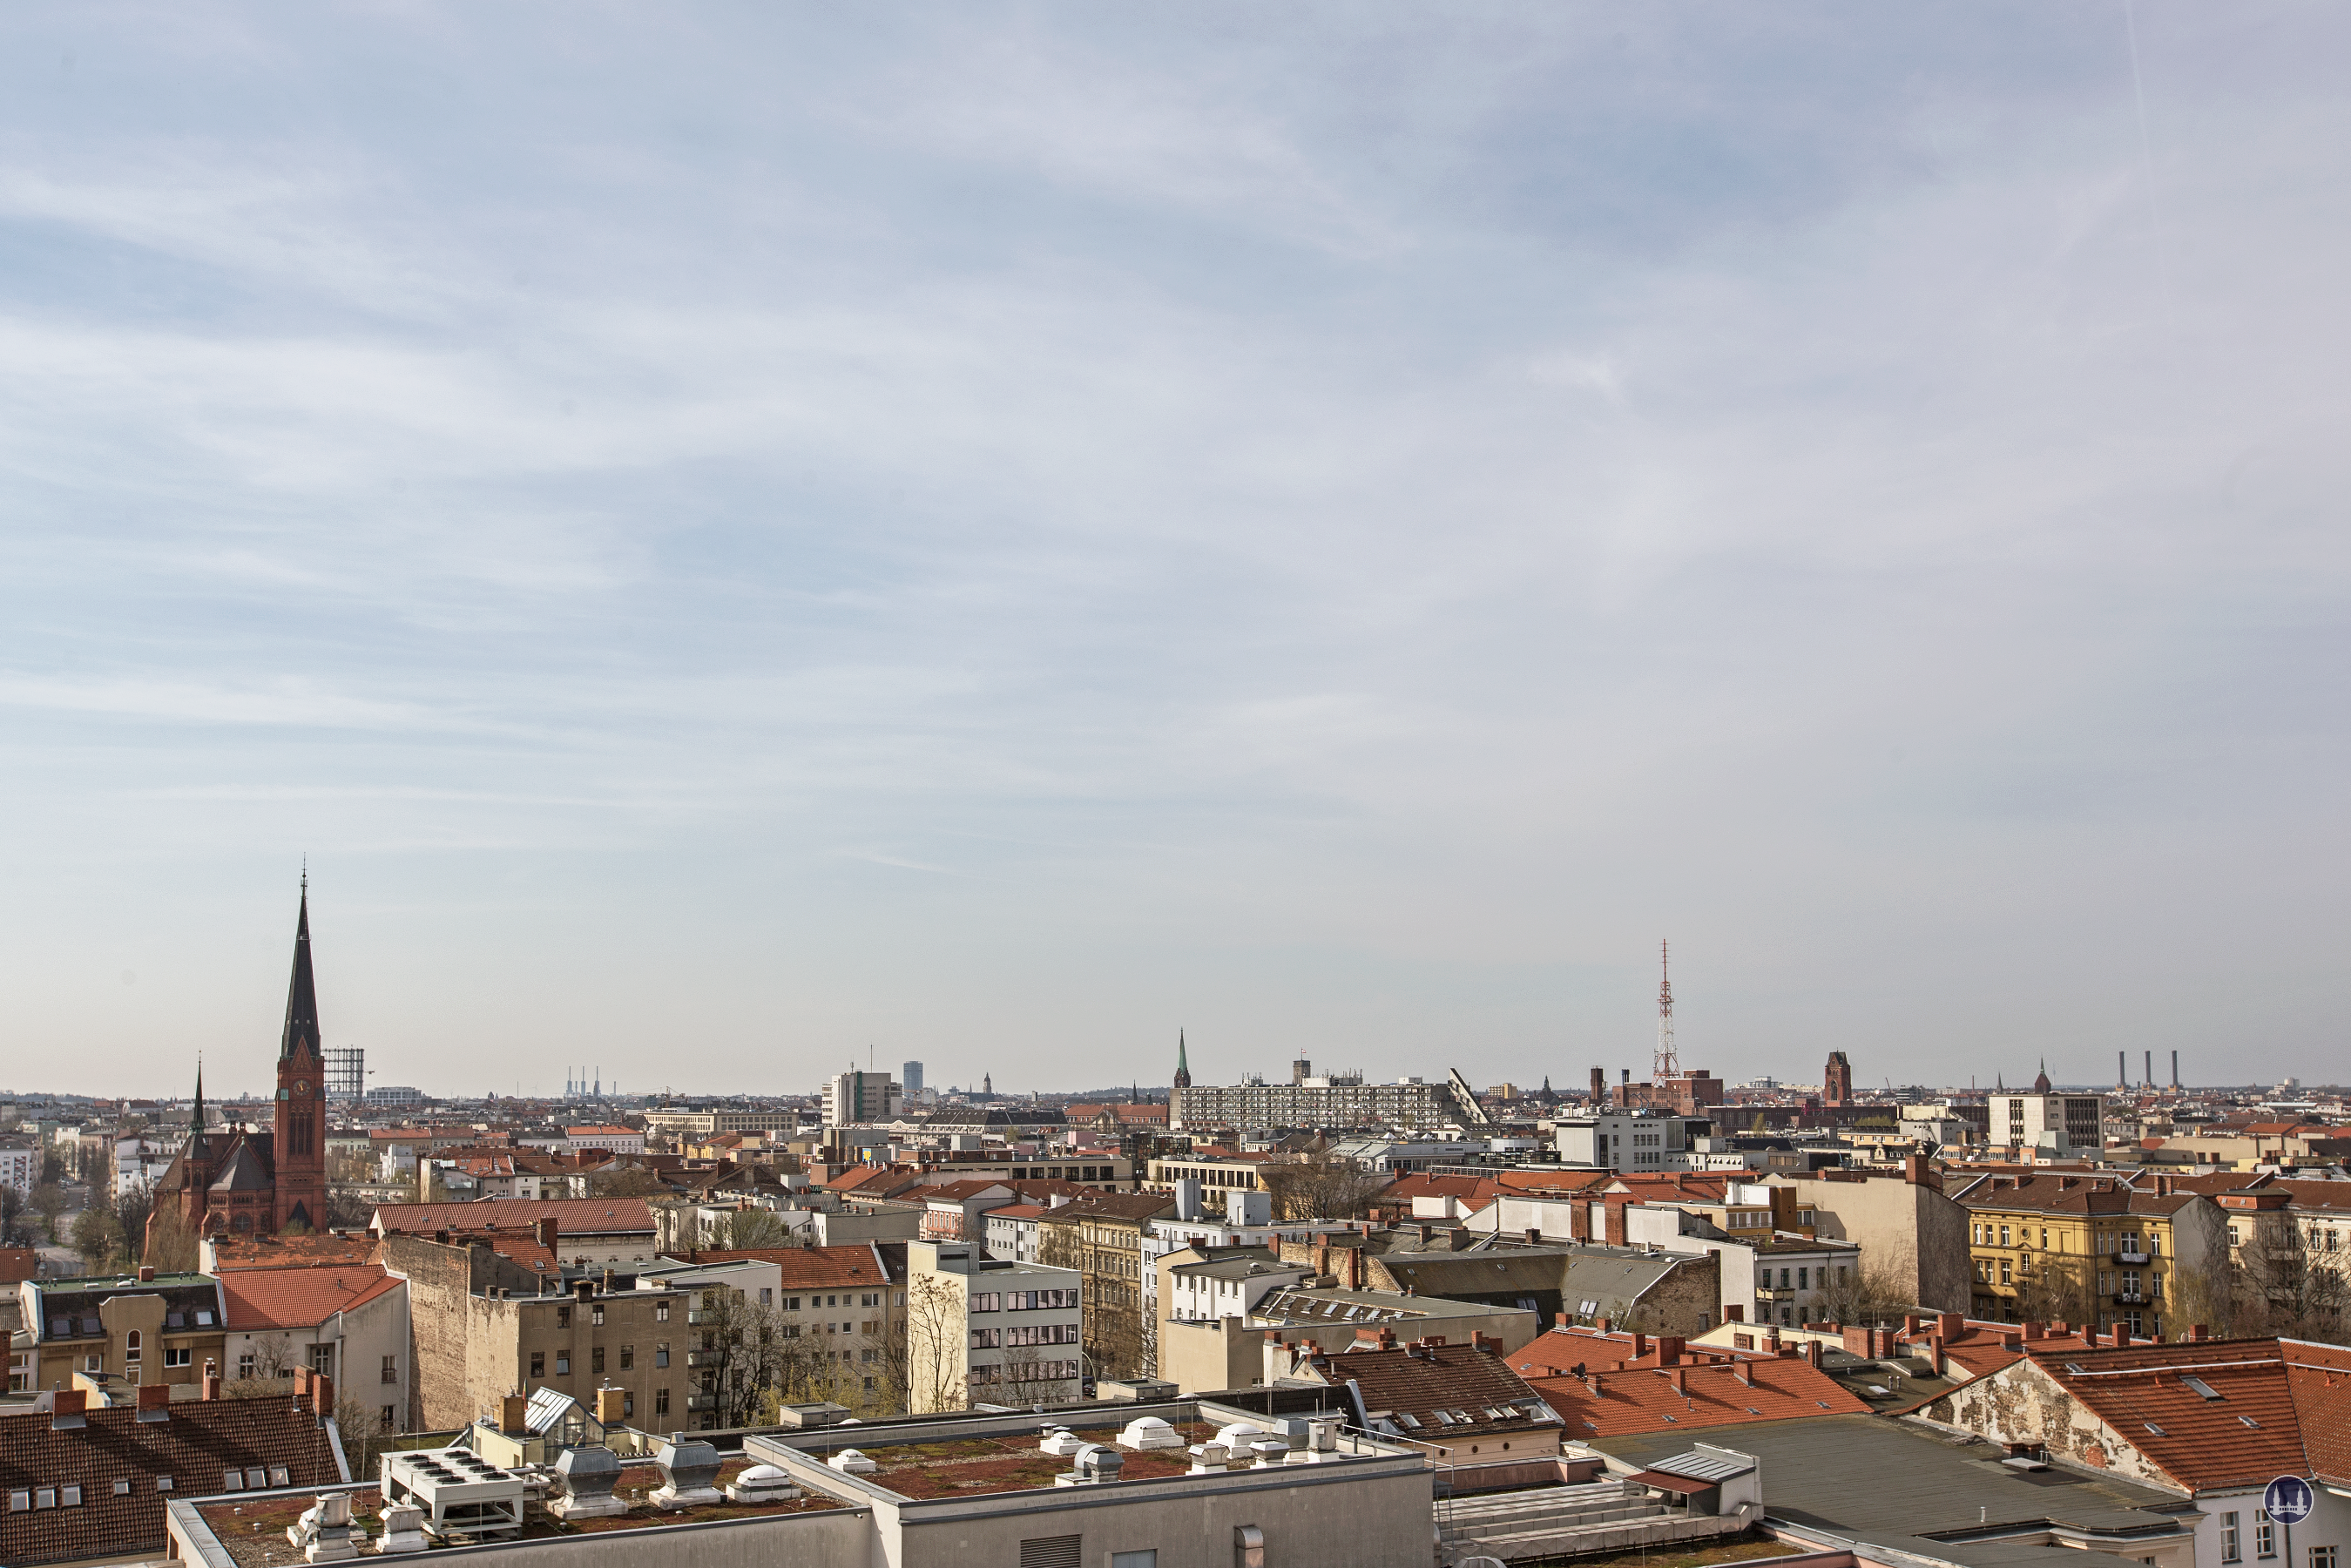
738	540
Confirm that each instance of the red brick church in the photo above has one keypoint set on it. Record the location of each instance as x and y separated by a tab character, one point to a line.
261	1183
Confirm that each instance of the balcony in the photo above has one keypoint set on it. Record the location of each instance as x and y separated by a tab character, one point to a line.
2132	1257
705	1358
701	1402
700	1315
2131	1298
1777	1293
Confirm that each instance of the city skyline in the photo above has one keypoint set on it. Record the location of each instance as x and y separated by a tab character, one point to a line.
727	543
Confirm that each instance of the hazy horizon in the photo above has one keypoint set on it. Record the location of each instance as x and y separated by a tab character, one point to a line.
994	533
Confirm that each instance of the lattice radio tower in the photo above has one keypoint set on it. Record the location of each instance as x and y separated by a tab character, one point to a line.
1669	1065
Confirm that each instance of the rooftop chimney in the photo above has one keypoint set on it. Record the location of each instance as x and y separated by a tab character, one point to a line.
2198	1331
1950	1325
66	1410
1640	1345
212	1382
1669	1349
146	1274
545	1226
154	1402
514	1413
1733	1312
322	1395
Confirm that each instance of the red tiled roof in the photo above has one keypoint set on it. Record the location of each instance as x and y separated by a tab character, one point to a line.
2320	1378
298	1297
2247	1436
1980	1348
573	1216
810	1267
1017	1211
958	1191
203	1439
1731	1393
19	1264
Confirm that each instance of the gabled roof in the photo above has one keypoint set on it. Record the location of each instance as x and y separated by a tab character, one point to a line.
244	1171
202	1440
1016	1211
1132	1206
2246	1432
1730	1392
812	1268
573	1216
300	1298
961	1192
1475	1389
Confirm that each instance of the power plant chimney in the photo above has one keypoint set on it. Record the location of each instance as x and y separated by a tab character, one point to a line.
2122	1070
2175	1071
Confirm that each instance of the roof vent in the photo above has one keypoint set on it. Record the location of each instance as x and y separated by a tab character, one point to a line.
2157	1430
2203	1387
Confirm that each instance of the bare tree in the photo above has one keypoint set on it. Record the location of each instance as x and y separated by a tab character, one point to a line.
13	1231
748	1230
2057	1286
131	1211
628	1181
936	1345
1320	1185
49	1201
97	1237
171	1241
1865	1294
273	1356
2290	1284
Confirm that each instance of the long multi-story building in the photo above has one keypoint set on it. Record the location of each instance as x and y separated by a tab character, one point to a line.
678	1121
1337	1099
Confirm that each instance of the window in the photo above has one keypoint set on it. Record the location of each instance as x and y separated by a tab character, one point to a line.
791	1304
163	1483
562	1365
391	1369
178	1357
122	1488
871	1299
538	1364
563	1317
385	1419
1804	1278
628	1358
131	1349
661	1354
596	1360
661	1311
596	1315
322	1359
70	1497
2320	1556
21	1502
2229	1553
245	1365
766	1296
2264	1534
1134	1560
661	1401
628	1405
45	1497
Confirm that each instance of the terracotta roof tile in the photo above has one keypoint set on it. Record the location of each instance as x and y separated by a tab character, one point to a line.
297	1297
573	1216
2247	1435
203	1439
812	1268
1659	1399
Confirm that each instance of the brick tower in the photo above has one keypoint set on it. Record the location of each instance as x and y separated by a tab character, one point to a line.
300	1140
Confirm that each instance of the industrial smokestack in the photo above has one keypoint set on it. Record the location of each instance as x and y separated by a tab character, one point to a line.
1599	1087
2175	1069
2150	1069
2122	1070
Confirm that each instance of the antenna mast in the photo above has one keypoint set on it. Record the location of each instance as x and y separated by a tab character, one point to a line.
1669	1065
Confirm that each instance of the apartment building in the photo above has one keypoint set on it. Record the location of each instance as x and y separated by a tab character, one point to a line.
1340	1100
2054	1126
2090	1250
349	1323
1215	1173
143	1328
1102	1237
980	1329
844	1308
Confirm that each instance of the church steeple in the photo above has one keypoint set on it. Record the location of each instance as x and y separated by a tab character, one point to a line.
301	991
196	1117
1183	1063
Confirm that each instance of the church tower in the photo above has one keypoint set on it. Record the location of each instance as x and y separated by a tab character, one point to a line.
299	1145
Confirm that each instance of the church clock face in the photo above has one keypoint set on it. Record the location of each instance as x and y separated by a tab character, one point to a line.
301	1086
